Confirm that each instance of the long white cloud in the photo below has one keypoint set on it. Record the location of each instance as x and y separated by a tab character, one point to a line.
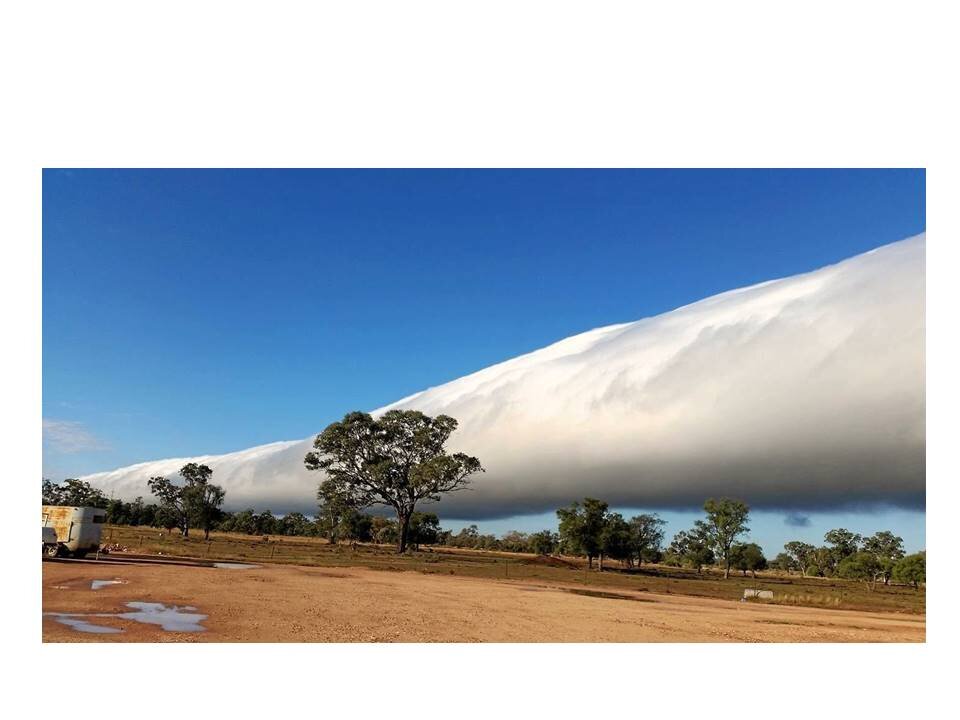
801	393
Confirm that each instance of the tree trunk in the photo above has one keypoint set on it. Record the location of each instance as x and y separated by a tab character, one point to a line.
404	522
590	562
206	533
600	563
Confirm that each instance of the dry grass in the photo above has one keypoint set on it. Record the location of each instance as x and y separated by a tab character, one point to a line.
787	589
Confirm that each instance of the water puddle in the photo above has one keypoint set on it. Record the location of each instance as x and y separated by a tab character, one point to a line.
97	584
78	623
172	619
234	566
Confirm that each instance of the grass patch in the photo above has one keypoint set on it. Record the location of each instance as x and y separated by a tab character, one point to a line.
787	589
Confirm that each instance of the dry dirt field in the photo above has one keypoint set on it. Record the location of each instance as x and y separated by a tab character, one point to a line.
292	603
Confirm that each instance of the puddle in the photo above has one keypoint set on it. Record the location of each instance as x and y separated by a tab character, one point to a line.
172	619
234	566
608	595
97	584
78	623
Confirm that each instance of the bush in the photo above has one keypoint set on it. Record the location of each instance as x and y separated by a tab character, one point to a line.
911	570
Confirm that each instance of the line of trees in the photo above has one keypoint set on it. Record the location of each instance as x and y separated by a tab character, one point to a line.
591	530
588	528
874	559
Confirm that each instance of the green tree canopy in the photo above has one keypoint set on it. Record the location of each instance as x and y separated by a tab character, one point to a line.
692	548
784	561
861	565
887	548
911	570
544	542
396	460
747	557
615	539
646	535
73	492
842	544
726	521
197	502
581	527
800	553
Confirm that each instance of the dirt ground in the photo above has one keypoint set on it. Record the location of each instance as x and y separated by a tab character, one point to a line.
289	603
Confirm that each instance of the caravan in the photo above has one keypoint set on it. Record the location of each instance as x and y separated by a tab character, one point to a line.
78	530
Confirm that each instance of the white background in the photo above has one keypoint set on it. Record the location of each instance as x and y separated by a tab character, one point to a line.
414	84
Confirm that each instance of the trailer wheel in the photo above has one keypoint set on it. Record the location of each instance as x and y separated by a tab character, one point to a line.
52	550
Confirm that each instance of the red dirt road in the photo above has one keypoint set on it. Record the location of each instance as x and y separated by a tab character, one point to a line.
287	603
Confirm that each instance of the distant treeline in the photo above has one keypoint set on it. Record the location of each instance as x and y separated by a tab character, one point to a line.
587	529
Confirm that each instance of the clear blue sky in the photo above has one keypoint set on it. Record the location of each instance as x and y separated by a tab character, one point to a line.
193	312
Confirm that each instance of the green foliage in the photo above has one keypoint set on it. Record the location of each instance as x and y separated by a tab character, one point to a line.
195	503
800	553
396	460
384	531
581	528
646	537
747	557
73	492
615	538
842	544
824	560
784	561
691	548
424	529
911	570
332	505
887	548
467	537
726	521
355	526
295	523
544	542
515	541
861	565
672	557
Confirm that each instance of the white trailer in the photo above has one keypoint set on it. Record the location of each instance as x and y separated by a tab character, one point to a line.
78	530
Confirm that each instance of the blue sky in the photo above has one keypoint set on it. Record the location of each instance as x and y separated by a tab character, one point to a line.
193	312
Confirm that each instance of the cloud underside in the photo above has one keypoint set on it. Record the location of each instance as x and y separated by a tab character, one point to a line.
801	394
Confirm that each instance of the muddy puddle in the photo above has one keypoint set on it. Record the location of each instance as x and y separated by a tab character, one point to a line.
173	618
97	584
78	623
